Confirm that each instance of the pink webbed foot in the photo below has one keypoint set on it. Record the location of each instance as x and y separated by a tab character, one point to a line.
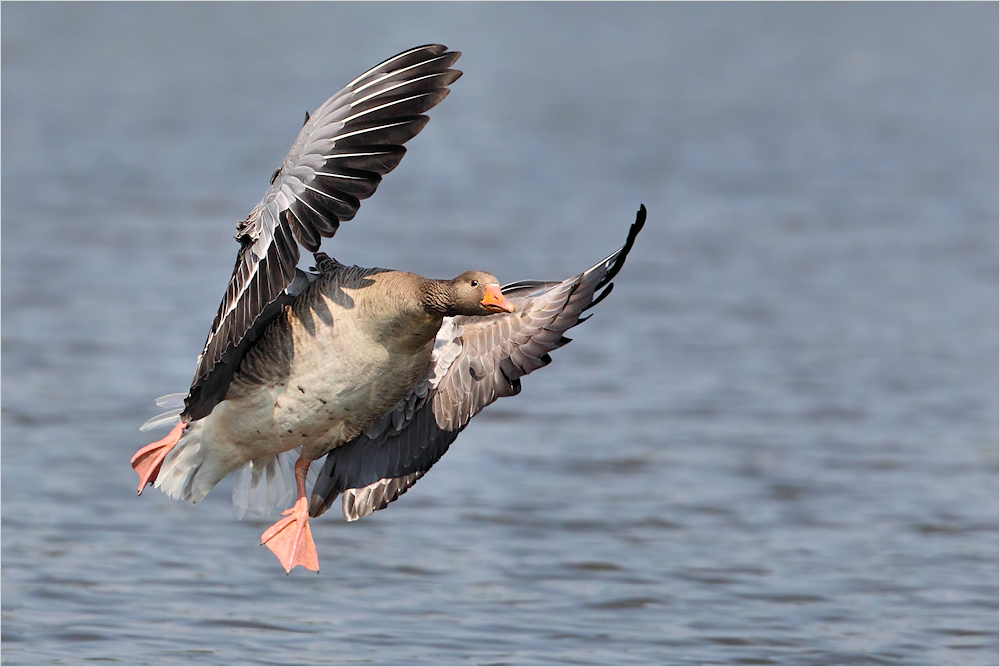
291	540
147	460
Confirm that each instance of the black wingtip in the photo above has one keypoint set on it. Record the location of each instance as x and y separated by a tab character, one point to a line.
603	295
633	232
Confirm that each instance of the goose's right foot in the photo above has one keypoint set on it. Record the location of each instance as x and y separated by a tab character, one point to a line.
147	461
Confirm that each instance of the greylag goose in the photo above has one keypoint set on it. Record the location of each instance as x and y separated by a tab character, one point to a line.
377	370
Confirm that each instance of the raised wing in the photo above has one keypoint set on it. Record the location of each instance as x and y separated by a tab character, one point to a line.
337	160
476	360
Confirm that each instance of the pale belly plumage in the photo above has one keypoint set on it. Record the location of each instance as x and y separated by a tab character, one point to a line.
319	376
324	406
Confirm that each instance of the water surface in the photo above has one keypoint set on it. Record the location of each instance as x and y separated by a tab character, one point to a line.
776	442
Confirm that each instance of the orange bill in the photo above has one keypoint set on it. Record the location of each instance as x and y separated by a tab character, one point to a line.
496	301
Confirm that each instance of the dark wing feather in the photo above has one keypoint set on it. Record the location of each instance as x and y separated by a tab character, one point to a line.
338	159
476	361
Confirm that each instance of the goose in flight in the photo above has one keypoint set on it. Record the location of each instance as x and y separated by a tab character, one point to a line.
377	370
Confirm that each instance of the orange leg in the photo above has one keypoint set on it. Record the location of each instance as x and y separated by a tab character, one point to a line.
147	460
290	539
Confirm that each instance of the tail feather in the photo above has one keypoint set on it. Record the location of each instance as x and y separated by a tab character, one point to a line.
263	483
268	482
175	405
166	419
171	401
193	467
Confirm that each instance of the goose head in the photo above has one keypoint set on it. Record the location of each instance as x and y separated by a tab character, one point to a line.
472	293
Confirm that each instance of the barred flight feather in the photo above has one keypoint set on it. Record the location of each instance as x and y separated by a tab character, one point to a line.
342	151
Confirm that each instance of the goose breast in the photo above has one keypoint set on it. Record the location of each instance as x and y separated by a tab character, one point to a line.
349	348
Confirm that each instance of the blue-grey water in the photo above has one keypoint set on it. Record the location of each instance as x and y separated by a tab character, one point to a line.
776	442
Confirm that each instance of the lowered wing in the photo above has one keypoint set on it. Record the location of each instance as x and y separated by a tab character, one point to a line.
476	360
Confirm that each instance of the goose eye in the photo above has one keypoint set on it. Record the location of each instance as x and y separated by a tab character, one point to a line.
475	283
